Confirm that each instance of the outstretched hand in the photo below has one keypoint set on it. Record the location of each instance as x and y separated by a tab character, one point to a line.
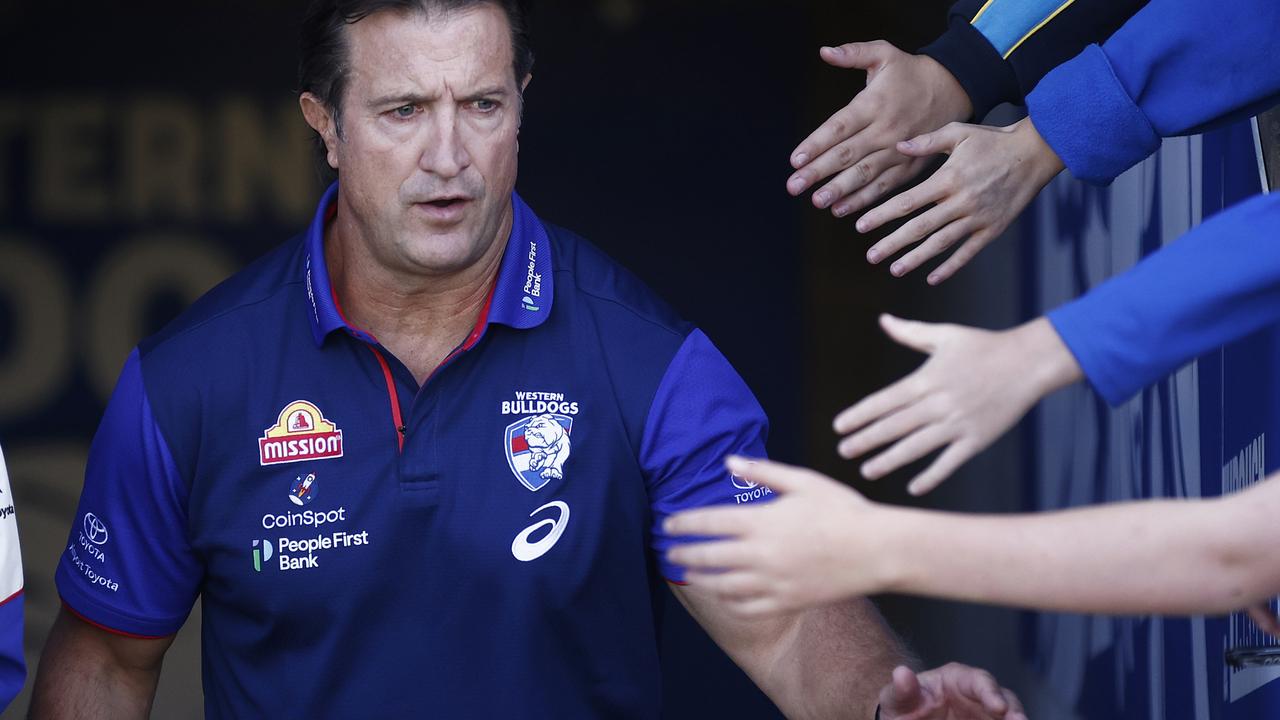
906	95
814	545
951	692
975	385
991	176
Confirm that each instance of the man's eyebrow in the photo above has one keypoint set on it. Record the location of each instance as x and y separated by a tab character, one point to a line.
398	99
487	92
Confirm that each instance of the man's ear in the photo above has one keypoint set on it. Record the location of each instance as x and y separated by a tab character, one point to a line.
320	118
523	85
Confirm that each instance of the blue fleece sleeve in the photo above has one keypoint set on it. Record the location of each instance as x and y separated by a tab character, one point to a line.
1218	283
128	566
13	669
1175	67
701	413
998	50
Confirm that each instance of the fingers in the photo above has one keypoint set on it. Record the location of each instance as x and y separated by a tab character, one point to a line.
961	257
728	585
852	169
1016	711
846	123
1265	619
903	204
908	450
981	686
954	231
720	555
883	431
874	406
780	478
957	454
943	140
902	695
861	55
711	522
919	336
890	179
926	225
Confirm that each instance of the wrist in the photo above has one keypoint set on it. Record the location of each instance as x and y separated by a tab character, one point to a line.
885	532
948	95
1044	160
1050	364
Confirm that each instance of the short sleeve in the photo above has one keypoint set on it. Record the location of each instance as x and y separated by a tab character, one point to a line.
701	413
129	566
13	669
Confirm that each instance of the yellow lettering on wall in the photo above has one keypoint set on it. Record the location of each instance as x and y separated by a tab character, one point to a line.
161	156
70	182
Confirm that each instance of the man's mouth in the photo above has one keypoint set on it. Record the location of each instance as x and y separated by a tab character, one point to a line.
445	208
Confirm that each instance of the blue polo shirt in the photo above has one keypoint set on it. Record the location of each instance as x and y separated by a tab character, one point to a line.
486	545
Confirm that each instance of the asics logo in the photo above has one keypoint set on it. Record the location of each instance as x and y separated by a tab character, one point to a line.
523	550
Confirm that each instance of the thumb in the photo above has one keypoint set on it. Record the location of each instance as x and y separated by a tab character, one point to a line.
779	477
943	140
919	336
902	696
862	56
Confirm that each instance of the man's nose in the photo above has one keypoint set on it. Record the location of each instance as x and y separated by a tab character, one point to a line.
444	153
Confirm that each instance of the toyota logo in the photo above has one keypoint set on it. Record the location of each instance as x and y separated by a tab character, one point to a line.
94	529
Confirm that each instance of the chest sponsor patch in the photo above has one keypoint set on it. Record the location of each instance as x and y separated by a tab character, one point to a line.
301	433
537	448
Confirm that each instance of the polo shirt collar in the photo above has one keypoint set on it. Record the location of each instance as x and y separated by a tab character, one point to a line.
520	298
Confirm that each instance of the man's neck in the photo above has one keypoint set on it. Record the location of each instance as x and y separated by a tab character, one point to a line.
421	319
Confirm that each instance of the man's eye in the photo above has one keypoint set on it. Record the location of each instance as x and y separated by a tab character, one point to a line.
404	111
485	106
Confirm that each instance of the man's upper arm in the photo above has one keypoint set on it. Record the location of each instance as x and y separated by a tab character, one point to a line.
128	566
701	413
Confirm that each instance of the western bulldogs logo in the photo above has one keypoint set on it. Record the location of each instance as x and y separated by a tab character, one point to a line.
537	448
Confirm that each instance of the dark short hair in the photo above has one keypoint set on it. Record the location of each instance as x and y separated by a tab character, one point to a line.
323	67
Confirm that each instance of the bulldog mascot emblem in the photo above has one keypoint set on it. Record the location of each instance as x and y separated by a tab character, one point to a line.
537	448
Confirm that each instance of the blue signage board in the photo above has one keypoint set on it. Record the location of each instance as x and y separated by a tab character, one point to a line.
1201	432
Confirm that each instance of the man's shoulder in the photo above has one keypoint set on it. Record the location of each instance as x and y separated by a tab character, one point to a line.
243	303
589	275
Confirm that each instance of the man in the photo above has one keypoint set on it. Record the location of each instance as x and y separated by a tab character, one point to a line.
416	461
13	669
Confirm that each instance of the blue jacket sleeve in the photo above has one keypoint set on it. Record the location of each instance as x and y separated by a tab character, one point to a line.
701	413
999	50
13	669
1218	283
128	566
1176	67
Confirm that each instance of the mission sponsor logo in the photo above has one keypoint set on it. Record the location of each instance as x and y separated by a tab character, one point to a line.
301	433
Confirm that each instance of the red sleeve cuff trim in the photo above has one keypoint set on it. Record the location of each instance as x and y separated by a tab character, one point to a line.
111	630
12	597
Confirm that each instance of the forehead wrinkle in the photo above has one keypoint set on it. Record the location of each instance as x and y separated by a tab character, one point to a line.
451	54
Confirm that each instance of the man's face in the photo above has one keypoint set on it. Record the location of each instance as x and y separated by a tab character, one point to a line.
427	156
